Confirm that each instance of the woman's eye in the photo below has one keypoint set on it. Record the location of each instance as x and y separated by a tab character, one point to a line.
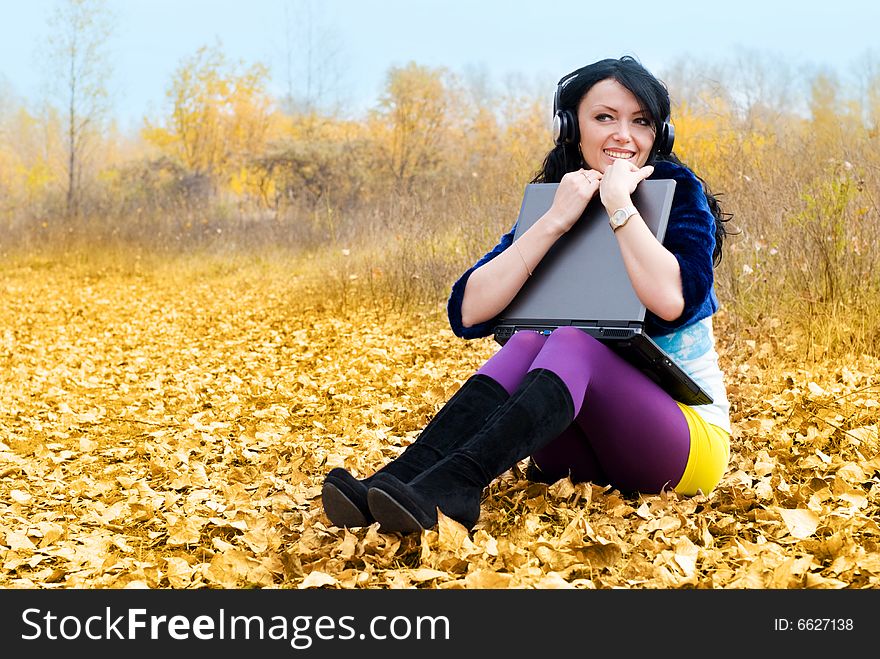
603	117
641	121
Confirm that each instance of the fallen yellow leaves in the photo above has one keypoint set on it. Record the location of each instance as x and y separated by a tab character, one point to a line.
171	429
801	523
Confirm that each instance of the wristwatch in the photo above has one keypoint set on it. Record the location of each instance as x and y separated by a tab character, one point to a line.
621	216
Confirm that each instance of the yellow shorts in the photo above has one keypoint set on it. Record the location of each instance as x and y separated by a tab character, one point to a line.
709	455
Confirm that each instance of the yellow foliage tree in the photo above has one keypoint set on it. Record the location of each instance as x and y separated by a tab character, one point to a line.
410	122
220	116
30	146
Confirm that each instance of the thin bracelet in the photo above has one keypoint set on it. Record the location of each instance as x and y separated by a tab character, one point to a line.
519	251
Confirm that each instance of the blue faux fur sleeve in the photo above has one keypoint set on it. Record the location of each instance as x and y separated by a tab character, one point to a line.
453	306
690	236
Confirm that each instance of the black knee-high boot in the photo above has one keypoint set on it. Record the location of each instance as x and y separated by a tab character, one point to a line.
345	497
537	412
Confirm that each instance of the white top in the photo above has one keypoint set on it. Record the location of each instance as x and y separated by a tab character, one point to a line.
693	348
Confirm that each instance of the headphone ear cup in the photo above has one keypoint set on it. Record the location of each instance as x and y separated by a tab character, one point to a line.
667	138
565	129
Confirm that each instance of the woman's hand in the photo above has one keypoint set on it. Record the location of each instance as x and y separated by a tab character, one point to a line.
619	182
572	196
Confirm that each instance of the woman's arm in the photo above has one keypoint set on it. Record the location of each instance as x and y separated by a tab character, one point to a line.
492	286
653	270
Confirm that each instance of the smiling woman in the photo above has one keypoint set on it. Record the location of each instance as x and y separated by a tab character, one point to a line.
566	400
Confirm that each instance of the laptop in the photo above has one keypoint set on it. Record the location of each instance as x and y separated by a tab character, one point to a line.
582	281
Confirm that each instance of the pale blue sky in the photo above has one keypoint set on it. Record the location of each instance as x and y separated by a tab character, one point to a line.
358	40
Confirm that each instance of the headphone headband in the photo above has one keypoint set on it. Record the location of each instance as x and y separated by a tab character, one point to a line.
564	80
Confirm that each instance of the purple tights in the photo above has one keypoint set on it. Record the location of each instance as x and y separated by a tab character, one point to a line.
627	431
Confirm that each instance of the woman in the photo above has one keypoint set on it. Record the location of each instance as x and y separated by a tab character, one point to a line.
566	400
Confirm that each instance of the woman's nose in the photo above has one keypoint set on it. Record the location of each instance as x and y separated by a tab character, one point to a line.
622	133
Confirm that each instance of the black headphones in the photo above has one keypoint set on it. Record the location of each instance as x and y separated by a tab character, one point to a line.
565	125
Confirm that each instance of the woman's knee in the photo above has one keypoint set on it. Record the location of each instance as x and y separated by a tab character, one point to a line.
526	340
570	335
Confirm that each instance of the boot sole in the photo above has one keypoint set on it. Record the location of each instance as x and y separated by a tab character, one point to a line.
340	510
391	515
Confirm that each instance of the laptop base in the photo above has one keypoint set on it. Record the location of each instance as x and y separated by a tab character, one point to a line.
638	349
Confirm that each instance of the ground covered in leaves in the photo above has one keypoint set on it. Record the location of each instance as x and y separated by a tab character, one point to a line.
170	426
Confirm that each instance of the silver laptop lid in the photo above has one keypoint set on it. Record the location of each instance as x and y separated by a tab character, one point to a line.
582	279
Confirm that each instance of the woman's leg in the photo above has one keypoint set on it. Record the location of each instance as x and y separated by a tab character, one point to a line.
567	456
345	497
539	410
633	429
646	437
510	364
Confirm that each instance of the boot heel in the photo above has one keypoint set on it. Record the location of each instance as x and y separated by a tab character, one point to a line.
345	500
395	518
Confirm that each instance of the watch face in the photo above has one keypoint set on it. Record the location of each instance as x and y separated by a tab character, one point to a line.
621	216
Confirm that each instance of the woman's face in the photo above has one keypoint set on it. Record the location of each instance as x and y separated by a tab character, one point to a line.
613	126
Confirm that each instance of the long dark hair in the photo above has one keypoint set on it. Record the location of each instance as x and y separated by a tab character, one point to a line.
653	99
